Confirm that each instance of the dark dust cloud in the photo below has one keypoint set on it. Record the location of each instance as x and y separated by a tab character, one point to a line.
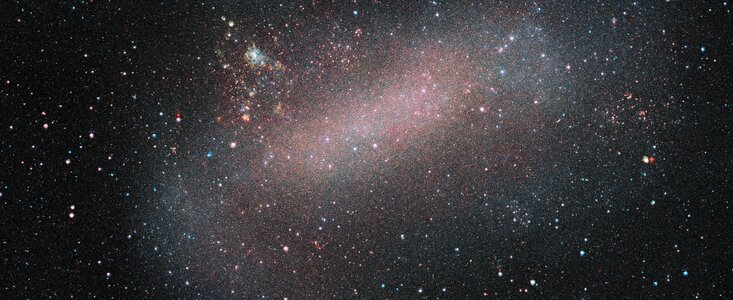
366	149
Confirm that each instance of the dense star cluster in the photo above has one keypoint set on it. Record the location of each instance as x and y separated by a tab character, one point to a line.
366	149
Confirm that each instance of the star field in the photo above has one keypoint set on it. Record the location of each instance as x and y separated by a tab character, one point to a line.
366	149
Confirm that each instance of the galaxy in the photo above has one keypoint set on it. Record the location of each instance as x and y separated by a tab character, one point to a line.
366	149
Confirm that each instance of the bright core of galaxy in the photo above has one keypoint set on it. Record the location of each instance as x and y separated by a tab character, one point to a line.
369	149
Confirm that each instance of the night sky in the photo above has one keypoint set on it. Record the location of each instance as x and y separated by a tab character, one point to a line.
366	149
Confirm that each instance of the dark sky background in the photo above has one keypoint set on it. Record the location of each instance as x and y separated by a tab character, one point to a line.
366	149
